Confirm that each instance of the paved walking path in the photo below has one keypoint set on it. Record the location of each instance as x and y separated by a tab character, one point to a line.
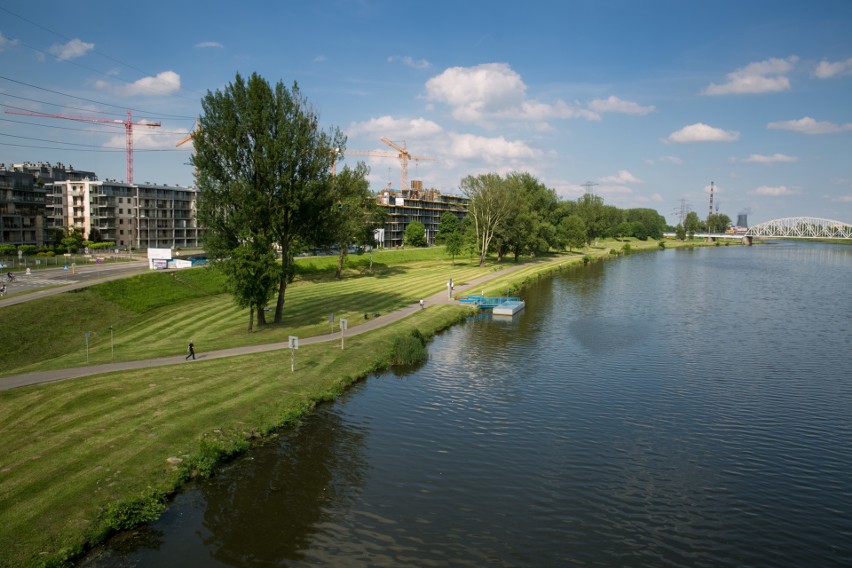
15	381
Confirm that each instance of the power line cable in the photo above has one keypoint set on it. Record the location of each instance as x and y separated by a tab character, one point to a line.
115	127
164	115
66	38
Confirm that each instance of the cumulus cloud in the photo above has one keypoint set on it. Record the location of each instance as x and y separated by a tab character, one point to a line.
208	44
164	83
490	91
615	104
700	132
768	191
828	69
808	125
494	150
623	176
72	50
6	42
410	61
767	76
769	160
395	128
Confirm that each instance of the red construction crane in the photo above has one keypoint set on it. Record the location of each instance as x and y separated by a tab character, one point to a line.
128	128
403	155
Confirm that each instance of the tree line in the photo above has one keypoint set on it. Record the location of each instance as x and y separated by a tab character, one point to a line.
518	215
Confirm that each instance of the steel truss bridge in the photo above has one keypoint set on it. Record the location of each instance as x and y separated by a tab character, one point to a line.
801	228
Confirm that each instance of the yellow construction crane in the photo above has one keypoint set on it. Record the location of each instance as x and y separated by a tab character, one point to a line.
188	136
403	155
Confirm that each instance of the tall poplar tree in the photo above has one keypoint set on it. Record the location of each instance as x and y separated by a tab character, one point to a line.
264	173
488	207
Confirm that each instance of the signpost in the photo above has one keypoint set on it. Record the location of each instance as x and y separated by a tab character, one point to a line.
88	334
293	344
344	325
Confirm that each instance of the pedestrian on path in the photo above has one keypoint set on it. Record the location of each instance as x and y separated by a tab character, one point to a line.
191	351
422	304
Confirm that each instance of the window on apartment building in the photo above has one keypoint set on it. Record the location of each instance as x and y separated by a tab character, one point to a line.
121	231
121	211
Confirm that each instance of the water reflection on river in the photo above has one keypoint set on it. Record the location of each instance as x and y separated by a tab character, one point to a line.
685	407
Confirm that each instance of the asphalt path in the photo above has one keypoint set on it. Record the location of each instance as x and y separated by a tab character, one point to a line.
15	381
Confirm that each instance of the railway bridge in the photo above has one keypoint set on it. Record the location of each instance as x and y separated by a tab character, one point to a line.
789	228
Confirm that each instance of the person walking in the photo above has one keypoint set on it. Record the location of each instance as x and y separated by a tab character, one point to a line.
422	305
191	352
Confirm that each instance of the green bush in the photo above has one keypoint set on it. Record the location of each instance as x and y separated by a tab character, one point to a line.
587	259
626	247
661	244
409	349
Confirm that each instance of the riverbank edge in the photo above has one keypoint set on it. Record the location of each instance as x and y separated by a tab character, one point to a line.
211	453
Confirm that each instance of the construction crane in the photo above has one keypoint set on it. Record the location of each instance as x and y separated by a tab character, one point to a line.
128	128
186	139
403	155
188	136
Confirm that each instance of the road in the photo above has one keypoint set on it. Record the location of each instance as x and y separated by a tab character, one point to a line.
50	281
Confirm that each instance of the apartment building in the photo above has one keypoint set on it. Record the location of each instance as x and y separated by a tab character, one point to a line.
416	204
36	197
132	216
21	208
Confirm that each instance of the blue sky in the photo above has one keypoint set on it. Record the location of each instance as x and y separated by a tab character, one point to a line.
650	101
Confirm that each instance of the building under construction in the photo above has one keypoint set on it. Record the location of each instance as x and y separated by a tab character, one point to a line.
416	204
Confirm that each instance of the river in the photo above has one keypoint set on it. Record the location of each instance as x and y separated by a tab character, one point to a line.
674	408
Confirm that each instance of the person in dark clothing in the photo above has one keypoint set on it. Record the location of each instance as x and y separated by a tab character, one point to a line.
191	351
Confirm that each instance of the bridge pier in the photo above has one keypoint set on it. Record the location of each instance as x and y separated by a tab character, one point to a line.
747	240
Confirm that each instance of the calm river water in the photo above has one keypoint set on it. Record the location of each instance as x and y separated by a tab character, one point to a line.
680	408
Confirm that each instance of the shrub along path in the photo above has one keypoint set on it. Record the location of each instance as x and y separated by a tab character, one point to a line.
15	381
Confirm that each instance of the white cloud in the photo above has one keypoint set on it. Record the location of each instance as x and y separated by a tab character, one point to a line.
827	69
410	61
623	176
207	44
767	76
319	58
768	191
6	42
395	128
700	132
672	160
769	160
843	199
71	50
164	83
614	104
808	125
492	91
495	150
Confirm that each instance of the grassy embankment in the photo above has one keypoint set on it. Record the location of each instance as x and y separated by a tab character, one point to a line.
86	457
